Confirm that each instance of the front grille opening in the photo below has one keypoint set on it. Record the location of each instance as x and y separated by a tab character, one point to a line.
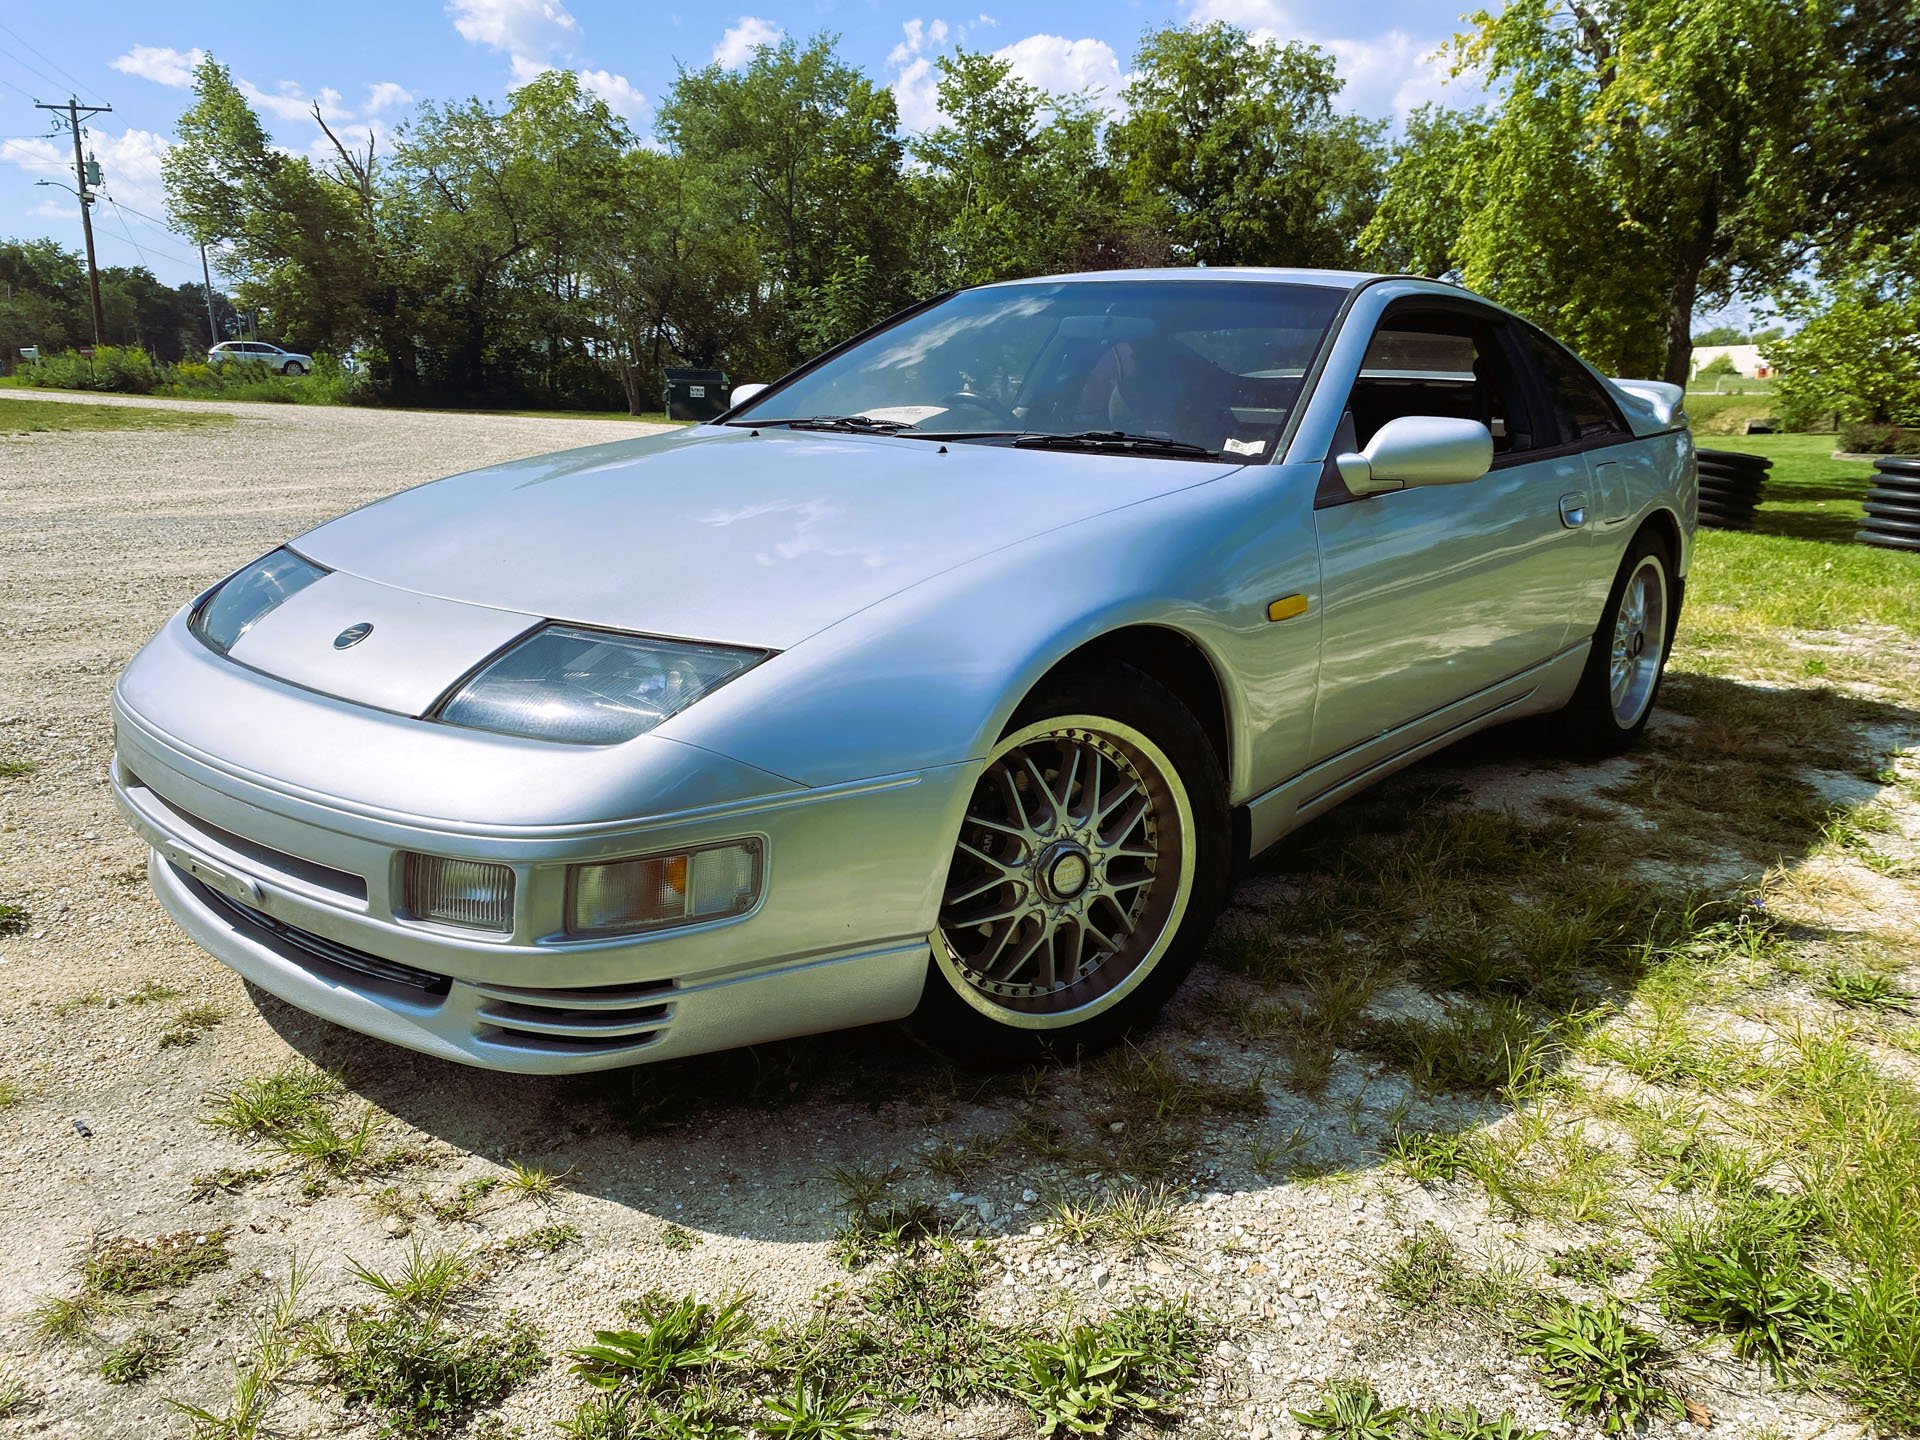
317	947
310	872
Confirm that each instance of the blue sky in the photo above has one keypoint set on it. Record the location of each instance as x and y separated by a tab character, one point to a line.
370	61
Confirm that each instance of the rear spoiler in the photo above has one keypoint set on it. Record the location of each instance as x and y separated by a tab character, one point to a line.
1651	405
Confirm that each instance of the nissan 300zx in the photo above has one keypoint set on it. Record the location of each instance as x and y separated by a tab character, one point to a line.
948	678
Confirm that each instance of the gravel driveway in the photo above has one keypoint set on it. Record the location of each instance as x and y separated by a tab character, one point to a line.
1279	1213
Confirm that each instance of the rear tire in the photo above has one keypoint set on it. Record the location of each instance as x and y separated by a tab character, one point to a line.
1090	867
295	369
1609	709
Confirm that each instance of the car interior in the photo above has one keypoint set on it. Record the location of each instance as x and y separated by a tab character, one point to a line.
1437	363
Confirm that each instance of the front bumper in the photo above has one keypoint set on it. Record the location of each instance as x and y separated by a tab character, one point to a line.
540	1030
299	895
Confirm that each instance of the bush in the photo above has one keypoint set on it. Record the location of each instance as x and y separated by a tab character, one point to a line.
1864	437
121	370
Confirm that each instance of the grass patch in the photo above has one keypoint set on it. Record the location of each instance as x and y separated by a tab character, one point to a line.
671	1340
1134	1364
1593	1264
531	1182
142	1355
37	417
425	1279
1428	1277
124	1266
14	769
1130	1221
1351	1410
1859	988
1747	1273
187	1026
1599	1365
420	1376
678	1238
271	1352
60	1319
296	1112
14	919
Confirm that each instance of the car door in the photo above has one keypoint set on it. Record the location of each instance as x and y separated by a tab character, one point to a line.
1588	424
1434	595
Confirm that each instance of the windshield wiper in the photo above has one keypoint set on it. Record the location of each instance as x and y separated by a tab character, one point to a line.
849	424
1120	442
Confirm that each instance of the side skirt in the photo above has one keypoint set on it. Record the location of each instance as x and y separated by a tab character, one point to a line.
1316	790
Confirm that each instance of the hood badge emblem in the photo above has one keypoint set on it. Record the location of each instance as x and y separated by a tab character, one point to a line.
352	635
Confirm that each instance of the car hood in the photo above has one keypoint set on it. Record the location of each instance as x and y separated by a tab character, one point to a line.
723	534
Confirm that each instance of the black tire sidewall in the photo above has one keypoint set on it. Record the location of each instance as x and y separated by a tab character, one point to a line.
1588	726
952	1026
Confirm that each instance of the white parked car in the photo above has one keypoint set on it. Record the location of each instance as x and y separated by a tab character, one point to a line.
258	352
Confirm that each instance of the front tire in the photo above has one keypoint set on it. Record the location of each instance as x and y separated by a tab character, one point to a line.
1608	712
1088	871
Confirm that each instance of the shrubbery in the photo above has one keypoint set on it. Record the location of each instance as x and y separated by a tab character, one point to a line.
129	370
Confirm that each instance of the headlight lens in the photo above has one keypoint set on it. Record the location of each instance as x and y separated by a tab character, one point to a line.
244	599
655	892
591	687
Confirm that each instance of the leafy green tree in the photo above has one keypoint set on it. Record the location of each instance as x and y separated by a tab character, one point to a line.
1011	182
1854	354
1232	148
1646	156
1432	185
292	232
808	146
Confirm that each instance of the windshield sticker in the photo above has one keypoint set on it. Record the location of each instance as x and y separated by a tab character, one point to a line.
905	414
1245	447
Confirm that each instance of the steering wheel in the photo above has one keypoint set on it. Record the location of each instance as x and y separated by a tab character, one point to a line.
986	405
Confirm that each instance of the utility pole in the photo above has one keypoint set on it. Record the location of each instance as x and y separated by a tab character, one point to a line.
213	331
73	108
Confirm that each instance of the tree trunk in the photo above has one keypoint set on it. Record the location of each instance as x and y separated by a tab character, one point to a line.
1680	297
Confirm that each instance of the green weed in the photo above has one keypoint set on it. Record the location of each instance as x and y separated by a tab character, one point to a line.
140	1356
418	1375
1599	1364
671	1339
425	1279
1350	1410
813	1410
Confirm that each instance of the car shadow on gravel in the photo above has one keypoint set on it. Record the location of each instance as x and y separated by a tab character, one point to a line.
1399	968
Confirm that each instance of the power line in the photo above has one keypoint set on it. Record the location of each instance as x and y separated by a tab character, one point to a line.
42	54
127	232
15	88
32	69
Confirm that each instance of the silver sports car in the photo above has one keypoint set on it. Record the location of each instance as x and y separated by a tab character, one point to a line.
949	677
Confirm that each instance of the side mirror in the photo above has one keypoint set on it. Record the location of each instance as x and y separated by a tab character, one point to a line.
1418	450
743	393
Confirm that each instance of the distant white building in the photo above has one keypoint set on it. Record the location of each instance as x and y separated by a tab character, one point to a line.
1746	359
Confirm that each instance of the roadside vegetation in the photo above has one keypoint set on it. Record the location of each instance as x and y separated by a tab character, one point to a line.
35	417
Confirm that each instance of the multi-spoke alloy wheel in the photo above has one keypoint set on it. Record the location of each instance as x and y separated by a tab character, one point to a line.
1639	641
1073	870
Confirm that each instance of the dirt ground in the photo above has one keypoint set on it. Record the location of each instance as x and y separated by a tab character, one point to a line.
711	1177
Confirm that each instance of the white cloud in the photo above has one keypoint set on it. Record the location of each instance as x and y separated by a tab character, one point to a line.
291	101
1388	73
736	47
1068	67
619	93
916	86
159	64
129	163
531	33
385	95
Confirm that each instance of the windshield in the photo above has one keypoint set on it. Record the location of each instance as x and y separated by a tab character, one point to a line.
1215	365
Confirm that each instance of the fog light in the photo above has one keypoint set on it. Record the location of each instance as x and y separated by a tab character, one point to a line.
655	892
469	893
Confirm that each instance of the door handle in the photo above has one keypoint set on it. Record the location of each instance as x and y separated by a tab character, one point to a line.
1573	510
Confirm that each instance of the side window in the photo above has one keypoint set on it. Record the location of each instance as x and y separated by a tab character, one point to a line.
1580	409
1441	362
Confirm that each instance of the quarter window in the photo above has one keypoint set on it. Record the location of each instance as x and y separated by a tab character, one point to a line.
1579	407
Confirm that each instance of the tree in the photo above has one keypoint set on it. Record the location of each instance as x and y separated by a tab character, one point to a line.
1432	184
293	233
1856	353
1646	156
1010	183
1233	149
807	144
